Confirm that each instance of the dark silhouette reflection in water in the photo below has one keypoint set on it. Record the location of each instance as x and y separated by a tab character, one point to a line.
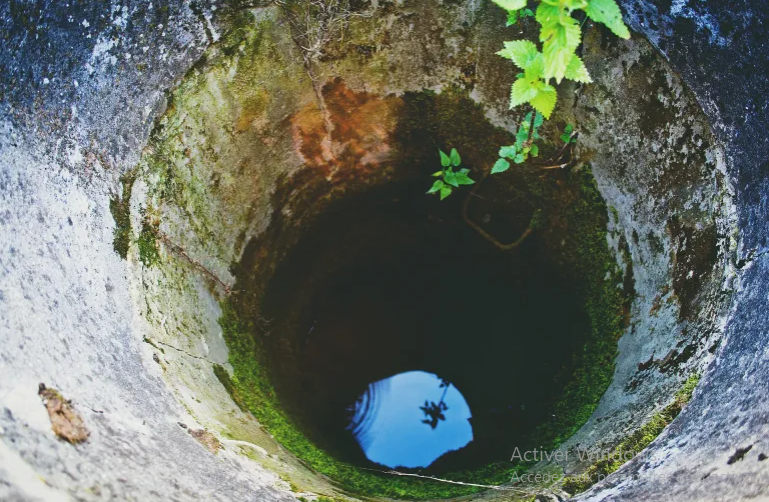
384	286
411	419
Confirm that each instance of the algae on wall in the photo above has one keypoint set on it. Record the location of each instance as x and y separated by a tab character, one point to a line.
633	444
119	206
576	221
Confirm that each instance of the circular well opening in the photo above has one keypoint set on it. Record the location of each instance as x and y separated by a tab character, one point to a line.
402	338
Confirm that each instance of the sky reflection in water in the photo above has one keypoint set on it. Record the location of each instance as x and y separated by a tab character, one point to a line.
410	419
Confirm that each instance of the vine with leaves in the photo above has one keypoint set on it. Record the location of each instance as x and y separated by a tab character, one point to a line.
560	35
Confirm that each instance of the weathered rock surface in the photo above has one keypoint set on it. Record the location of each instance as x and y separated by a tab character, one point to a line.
81	85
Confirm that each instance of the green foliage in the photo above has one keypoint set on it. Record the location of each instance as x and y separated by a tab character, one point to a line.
513	5
636	442
530	87
450	179
524	145
560	35
568	135
514	15
607	13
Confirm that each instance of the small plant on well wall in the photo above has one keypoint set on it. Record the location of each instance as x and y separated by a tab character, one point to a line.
448	178
524	145
560	34
539	70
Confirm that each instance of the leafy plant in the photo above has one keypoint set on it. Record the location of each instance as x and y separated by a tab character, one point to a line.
560	35
568	135
524	144
514	15
450	179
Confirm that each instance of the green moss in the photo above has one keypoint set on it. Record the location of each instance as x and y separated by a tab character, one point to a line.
568	208
291	485
594	267
147	244
329	499
251	382
120	207
592	262
636	442
226	115
224	378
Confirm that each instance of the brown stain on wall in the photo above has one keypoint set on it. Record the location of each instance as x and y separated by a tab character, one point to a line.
355	135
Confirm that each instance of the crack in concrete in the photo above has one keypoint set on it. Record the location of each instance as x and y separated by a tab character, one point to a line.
158	342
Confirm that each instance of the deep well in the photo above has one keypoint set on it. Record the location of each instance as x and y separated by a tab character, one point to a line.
213	242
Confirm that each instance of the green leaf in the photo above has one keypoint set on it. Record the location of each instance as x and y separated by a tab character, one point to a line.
566	136
534	151
508	151
445	160
544	102
561	35
500	166
608	13
519	159
511	4
536	68
522	92
464	179
445	191
455	158
437	173
451	178
577	71
572	5
521	52
559	45
436	186
538	119
520	75
512	17
527	12
547	14
522	135
464	171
